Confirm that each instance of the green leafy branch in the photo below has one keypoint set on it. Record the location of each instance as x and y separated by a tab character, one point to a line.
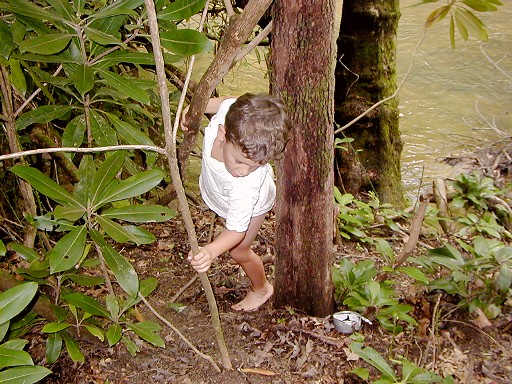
462	15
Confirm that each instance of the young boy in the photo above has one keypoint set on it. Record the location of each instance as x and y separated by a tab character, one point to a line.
237	183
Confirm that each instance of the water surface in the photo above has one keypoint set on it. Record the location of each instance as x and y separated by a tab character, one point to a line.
453	101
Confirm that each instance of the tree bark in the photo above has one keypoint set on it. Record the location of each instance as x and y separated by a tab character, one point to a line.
303	75
365	74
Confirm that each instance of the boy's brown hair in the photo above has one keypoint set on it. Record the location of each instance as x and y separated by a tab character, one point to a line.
259	126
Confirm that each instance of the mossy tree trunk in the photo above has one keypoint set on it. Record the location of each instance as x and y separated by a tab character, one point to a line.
365	74
303	75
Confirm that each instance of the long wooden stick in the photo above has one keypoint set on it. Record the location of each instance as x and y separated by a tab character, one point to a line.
176	178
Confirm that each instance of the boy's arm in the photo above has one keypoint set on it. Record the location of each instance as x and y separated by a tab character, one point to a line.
211	108
222	243
214	103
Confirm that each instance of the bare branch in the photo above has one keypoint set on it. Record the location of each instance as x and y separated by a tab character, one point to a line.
17	155
389	97
254	43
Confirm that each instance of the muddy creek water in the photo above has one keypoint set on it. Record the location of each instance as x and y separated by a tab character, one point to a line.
453	100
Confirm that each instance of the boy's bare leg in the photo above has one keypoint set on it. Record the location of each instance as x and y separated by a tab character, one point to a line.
251	263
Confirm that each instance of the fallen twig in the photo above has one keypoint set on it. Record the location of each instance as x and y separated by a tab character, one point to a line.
324	338
176	330
415	230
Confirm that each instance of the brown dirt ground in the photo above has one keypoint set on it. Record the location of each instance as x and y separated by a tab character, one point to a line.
273	345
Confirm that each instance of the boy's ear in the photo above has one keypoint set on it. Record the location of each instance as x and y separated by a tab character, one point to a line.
221	133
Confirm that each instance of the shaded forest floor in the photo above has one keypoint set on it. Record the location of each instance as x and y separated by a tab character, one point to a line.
279	345
275	345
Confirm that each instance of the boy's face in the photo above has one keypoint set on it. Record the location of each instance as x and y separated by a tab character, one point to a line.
235	161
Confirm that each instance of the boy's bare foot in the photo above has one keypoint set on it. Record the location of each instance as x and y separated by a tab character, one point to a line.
254	299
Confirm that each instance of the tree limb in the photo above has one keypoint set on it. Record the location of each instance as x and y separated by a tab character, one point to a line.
415	230
170	146
239	29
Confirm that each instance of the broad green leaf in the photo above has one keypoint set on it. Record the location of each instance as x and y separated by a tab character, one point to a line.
125	85
97	237
16	344
131	347
53	347
427	378
482	6
55	327
461	26
47	44
78	5
26	253
102	38
48	223
18	31
12	358
181	10
409	370
140	213
73	135
110	25
113	334
373	288
146	330
117	8
130	134
85	280
415	274
385	249
71	213
87	304
147	286
102	132
55	59
437	15
122	269
95	332
68	250
42	115
115	231
452	32
129	57
112	306
73	349
371	356
15	300
17	77
504	280
86	173
7	40
363	373
106	173
134	186
24	375
137	58
472	24
63	8
139	235
83	78
4	328
27	8
185	42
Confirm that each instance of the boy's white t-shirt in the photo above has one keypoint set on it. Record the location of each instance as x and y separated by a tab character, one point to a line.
237	199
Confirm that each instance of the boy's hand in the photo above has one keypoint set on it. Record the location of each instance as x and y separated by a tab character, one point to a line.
202	261
183	121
